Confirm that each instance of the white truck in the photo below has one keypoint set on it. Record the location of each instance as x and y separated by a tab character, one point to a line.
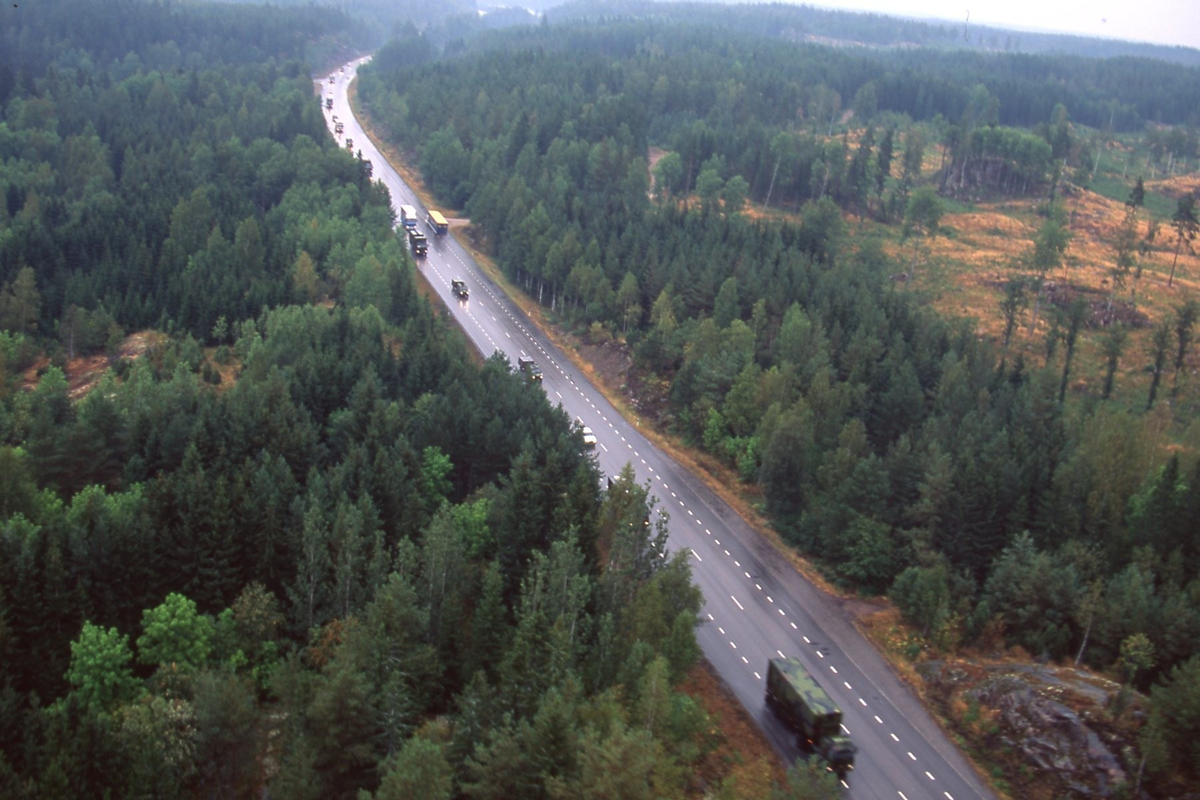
408	217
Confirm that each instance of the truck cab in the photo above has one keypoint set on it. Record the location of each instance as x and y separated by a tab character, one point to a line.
329	103
459	287
338	128
350	144
529	368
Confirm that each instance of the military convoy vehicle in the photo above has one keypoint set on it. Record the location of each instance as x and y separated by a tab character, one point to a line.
419	244
530	368
797	699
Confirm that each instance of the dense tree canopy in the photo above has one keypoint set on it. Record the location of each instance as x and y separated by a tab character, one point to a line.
889	443
296	538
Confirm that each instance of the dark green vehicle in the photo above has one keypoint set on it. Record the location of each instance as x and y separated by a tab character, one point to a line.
530	368
796	698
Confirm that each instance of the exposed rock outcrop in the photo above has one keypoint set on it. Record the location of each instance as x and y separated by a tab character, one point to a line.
1052	719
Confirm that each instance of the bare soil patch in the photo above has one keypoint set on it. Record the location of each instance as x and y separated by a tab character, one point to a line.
84	372
965	271
1176	187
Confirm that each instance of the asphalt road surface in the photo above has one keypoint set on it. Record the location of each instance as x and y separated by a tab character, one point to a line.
756	605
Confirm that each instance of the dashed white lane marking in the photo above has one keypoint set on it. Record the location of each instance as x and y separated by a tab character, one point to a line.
807	640
895	738
781	655
720	630
847	685
833	668
737	563
710	617
820	654
845	730
781	613
691	513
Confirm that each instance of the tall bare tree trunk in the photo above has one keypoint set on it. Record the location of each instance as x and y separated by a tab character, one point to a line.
1174	261
771	188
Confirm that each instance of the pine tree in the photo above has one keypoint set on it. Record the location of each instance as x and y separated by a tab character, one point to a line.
1113	347
1161	342
1186	226
1186	317
309	591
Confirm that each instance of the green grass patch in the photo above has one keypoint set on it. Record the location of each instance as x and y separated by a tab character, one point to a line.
952	206
1111	186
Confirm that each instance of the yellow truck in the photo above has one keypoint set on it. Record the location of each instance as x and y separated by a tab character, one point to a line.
437	222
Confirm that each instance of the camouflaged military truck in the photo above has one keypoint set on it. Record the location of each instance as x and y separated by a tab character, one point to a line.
796	698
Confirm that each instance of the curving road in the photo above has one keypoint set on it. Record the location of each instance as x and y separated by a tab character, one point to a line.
756	605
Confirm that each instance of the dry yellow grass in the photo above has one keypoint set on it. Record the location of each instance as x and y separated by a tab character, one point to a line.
986	247
1175	187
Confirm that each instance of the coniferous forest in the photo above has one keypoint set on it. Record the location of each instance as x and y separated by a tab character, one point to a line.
299	538
891	444
302	539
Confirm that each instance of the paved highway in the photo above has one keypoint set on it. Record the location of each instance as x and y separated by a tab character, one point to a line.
756	605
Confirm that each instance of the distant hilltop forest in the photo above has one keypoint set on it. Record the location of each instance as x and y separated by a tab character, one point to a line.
801	22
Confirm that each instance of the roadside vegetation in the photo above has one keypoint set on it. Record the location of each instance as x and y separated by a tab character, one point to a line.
295	539
948	338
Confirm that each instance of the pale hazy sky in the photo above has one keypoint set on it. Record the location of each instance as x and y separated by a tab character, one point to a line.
1159	21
